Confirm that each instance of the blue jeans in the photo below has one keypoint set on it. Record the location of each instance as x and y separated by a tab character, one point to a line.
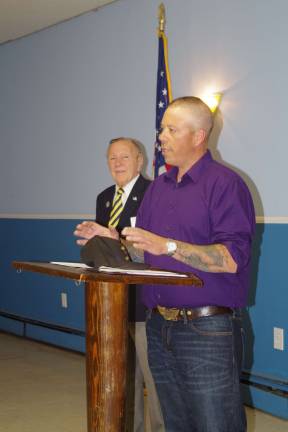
196	366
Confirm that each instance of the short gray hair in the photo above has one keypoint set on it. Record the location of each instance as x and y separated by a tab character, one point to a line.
202	115
137	144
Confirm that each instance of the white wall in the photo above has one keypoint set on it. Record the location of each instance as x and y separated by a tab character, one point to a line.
65	91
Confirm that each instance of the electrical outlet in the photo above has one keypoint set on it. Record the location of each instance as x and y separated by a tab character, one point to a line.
278	340
64	302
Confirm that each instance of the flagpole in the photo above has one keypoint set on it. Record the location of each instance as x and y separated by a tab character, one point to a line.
161	34
163	91
161	18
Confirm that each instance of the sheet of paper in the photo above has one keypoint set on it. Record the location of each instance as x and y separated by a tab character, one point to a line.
70	264
148	272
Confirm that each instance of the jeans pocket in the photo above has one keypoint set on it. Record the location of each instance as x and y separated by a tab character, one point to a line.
216	325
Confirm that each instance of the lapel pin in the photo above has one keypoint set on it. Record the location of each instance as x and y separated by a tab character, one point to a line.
134	198
107	204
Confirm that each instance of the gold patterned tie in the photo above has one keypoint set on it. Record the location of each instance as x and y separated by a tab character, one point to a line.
116	209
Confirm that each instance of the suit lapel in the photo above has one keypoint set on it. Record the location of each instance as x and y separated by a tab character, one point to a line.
108	205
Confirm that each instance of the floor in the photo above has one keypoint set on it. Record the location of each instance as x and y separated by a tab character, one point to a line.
43	389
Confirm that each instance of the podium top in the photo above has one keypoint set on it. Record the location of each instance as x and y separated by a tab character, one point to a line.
91	275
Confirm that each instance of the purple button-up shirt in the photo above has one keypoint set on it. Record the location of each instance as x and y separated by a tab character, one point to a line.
210	205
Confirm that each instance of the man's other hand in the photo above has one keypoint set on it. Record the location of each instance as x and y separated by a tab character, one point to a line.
88	229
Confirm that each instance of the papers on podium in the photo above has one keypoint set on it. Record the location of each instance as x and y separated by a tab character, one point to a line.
131	271
71	264
141	272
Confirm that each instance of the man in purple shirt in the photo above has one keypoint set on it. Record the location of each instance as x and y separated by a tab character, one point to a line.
198	217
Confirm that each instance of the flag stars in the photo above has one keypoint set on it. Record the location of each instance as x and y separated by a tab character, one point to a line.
162	101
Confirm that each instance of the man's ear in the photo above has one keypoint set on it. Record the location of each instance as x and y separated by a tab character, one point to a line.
200	136
140	161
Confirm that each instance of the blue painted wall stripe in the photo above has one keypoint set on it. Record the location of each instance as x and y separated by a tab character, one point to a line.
39	297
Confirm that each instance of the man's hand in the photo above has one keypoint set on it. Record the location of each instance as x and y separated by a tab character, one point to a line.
146	240
213	258
88	229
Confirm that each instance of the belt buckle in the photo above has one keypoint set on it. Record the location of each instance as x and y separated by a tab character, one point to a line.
170	314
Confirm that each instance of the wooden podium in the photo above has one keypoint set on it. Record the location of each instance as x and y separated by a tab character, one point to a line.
106	336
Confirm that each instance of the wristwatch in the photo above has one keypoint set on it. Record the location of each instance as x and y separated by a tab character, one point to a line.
171	247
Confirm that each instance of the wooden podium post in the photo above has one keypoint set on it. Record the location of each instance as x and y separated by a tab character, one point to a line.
106	337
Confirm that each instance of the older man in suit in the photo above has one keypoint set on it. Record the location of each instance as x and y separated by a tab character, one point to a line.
125	161
116	208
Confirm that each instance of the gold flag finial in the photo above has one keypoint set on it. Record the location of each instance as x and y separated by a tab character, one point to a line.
161	18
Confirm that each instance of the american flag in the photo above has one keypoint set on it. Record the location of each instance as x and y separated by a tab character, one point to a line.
163	97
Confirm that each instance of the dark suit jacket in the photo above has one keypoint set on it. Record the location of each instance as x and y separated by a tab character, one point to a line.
105	199
136	310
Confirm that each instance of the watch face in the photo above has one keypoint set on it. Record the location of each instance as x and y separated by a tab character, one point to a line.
171	248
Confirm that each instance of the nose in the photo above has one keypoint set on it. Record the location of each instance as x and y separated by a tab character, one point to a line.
162	135
118	162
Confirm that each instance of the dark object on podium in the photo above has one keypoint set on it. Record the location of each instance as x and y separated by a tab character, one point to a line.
104	251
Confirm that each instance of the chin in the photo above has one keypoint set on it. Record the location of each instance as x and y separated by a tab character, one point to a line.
120	179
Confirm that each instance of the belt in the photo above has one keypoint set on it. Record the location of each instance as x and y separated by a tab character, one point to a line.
174	314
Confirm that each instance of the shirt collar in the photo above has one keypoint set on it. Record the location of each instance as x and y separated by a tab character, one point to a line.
194	172
129	186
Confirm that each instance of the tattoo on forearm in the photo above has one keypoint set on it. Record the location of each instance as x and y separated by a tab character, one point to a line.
210	258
